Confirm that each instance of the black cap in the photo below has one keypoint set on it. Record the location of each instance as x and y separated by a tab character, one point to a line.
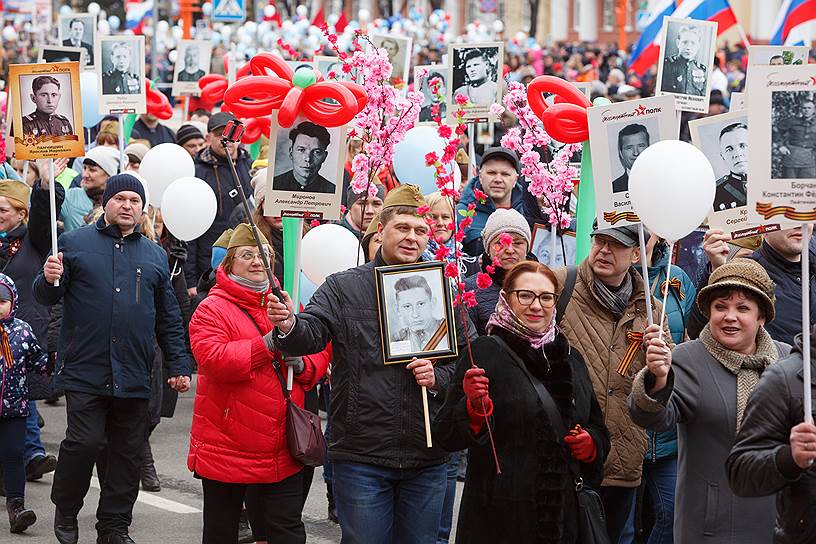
122	182
219	120
500	152
626	235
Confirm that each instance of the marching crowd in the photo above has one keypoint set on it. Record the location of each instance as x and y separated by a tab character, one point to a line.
564	397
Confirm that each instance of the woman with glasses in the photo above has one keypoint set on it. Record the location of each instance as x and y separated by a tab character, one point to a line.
238	435
521	362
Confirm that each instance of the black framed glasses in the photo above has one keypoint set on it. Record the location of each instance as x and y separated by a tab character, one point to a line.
526	298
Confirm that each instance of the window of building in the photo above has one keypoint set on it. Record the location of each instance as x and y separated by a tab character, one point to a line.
608	15
576	14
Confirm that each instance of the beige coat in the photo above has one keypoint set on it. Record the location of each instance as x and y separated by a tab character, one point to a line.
603	342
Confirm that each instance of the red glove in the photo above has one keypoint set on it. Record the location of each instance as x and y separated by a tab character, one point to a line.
479	405
581	445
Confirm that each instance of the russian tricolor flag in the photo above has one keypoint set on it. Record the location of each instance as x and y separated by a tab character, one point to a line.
794	24
647	49
136	12
709	10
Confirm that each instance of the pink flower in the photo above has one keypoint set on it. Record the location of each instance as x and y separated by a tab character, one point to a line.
451	270
461	99
444	131
431	158
496	110
491	269
483	281
506	240
314	223
343	209
442	253
480	195
422	210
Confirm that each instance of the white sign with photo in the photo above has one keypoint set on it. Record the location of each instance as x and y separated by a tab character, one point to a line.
782	166
192	63
777	55
429	98
121	69
79	30
619	133
476	72
305	174
687	58
399	51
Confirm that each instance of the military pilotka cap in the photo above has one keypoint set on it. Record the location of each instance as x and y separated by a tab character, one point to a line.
404	195
17	190
242	236
626	235
223	240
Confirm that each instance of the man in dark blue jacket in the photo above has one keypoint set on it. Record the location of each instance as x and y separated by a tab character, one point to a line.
117	297
211	165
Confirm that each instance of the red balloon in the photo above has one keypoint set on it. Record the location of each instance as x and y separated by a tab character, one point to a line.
290	107
255	128
262	62
256	96
566	119
158	104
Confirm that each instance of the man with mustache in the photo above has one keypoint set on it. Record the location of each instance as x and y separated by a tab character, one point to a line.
731	188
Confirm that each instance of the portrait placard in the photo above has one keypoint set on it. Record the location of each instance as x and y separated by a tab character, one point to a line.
192	63
618	134
475	71
305	174
724	141
777	55
687	57
429	98
782	165
121	68
79	30
541	246
416	312
46	109
399	50
58	53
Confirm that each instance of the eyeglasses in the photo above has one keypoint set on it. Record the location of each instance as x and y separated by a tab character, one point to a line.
252	255
526	298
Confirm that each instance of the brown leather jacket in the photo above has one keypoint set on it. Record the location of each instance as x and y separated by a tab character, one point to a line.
604	344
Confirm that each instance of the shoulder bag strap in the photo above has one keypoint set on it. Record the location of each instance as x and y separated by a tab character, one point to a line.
566	292
275	363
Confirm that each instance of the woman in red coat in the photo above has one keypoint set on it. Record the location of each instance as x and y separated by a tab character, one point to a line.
238	436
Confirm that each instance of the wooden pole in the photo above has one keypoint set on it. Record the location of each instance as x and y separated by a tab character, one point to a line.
427	416
808	401
52	202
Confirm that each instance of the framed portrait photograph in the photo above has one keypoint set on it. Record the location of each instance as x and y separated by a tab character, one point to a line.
79	30
438	72
782	164
619	133
416	312
305	174
192	63
399	50
476	72
541	246
46	106
687	58
121	69
58	53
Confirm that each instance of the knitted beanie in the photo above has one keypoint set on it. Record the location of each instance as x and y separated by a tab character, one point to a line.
505	221
122	182
740	273
186	133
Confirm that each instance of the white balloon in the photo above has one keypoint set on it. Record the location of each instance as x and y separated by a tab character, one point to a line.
9	34
93	8
269	11
103	27
206	8
188	208
162	27
328	249
178	32
363	15
409	157
498	25
672	188
147	201
27	27
65	10
172	56
251	27
302	10
164	164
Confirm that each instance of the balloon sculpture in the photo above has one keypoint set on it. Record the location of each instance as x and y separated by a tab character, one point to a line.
293	93
158	104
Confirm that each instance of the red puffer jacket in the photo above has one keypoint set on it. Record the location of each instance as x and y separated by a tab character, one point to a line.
239	418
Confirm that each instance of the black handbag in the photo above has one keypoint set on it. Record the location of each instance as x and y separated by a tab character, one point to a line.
303	433
591	515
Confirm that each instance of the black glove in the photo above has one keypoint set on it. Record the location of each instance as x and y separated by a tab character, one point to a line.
178	250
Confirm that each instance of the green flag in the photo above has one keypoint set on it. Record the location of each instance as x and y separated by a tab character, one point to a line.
585	212
292	233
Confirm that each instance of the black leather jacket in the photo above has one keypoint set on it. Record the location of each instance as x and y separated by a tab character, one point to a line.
761	462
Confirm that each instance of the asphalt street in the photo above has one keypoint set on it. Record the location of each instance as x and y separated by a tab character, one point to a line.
171	516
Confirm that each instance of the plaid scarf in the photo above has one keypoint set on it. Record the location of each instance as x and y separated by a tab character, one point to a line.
614	301
504	317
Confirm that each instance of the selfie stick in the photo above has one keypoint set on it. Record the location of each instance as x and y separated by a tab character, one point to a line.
232	134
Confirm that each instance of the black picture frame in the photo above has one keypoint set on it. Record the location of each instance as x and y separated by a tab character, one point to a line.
398	341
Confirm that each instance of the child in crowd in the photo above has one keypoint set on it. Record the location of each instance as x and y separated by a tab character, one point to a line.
19	355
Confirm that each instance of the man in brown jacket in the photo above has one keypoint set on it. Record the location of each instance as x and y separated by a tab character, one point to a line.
605	319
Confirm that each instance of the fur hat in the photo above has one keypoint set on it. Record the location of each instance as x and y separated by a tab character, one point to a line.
505	221
740	273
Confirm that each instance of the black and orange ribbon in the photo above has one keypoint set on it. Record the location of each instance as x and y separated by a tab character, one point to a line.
614	217
675	284
635	340
5	348
789	212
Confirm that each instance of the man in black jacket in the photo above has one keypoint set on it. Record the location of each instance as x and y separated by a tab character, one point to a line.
105	356
775	449
388	485
211	165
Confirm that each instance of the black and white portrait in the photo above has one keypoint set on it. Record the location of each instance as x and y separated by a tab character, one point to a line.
778	55
627	141
398	49
476	73
58	53
122	62
434	90
541	246
306	150
415	311
793	127
78	30
724	141
686	61
47	104
192	63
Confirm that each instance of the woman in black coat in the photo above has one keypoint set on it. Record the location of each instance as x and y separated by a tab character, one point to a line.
533	499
